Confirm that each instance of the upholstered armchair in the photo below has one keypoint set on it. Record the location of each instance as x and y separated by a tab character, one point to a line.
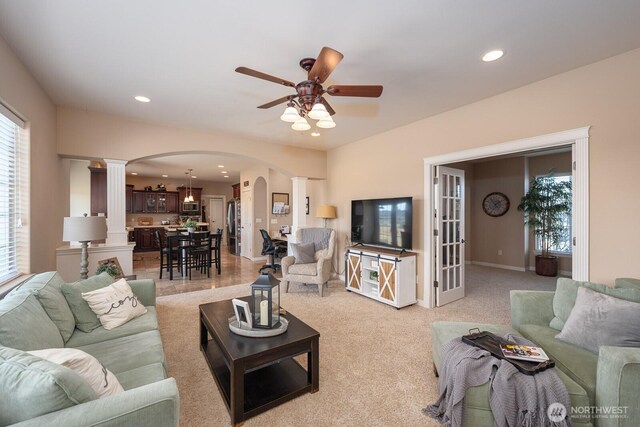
317	272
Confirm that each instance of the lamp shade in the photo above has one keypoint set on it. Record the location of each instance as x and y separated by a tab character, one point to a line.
326	123
290	115
301	124
84	228
326	212
318	112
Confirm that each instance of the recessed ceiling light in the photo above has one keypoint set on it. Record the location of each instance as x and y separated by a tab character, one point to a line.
141	98
220	166
193	176
492	56
315	133
134	173
165	176
226	176
224	172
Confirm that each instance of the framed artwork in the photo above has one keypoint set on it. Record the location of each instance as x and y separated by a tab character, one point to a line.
307	205
280	203
242	311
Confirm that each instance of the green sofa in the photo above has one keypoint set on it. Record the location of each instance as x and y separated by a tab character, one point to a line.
610	379
32	317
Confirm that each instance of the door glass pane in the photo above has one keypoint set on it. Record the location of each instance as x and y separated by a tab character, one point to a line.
451	209
452	189
456	226
457	210
445	185
445	279
457	279
443	213
445	259
445	232
458	188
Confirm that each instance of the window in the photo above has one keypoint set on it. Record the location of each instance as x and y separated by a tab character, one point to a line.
563	246
14	195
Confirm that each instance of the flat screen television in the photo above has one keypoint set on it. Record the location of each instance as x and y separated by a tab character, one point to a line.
382	222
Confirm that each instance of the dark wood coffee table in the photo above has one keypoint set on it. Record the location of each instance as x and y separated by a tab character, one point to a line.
257	374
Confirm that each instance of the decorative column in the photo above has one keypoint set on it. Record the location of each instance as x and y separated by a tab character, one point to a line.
116	202
298	204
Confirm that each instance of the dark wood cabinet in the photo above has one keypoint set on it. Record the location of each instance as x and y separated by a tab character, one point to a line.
98	191
138	202
236	190
155	202
129	198
173	204
146	240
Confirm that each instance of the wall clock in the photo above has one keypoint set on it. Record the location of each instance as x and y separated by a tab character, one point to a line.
495	204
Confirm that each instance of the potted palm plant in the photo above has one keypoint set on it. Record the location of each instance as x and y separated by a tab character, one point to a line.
546	205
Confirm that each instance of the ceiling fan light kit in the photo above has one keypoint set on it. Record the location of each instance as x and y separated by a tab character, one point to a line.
290	115
301	124
308	100
326	123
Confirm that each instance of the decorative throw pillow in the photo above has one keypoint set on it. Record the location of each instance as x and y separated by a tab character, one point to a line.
31	386
115	304
25	325
86	320
303	252
565	297
598	319
101	380
47	288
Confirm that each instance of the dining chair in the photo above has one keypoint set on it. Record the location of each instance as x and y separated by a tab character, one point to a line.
199	252
216	241
161	242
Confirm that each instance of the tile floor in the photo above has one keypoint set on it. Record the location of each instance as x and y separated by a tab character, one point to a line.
235	270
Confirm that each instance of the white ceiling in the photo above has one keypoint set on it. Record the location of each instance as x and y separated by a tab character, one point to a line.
97	55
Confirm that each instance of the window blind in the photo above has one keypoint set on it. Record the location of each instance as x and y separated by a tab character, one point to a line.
13	195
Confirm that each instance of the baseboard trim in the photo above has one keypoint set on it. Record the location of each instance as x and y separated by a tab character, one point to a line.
502	266
560	272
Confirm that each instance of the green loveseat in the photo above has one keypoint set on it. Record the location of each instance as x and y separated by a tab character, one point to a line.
608	381
133	352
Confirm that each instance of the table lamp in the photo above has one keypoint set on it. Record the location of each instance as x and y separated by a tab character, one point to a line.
326	212
84	229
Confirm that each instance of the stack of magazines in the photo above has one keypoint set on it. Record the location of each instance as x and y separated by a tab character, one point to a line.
524	352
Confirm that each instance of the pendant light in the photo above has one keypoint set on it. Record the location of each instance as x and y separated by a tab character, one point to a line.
186	194
290	114
190	187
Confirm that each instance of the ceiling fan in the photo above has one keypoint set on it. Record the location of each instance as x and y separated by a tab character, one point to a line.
308	99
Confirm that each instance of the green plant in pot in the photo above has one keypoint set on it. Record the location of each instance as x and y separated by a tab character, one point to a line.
190	225
546	205
111	269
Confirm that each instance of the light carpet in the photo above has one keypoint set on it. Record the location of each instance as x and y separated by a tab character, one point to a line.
375	361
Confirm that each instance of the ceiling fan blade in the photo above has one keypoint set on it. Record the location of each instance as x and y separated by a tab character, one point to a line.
325	63
355	90
277	101
328	107
263	76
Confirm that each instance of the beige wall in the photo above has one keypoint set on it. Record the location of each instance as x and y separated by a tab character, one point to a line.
605	95
84	134
279	183
49	188
79	186
498	240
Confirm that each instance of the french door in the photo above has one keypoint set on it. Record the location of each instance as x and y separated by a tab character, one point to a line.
449	239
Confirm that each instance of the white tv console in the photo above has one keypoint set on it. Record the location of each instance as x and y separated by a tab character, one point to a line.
385	275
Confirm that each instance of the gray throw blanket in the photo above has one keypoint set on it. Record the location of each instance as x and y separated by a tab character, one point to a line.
515	399
319	237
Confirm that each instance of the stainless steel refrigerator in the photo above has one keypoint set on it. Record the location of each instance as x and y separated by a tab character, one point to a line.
233	226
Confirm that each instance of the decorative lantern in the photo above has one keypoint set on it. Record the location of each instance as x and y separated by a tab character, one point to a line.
265	301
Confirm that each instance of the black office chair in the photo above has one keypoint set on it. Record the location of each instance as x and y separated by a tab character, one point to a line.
273	249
